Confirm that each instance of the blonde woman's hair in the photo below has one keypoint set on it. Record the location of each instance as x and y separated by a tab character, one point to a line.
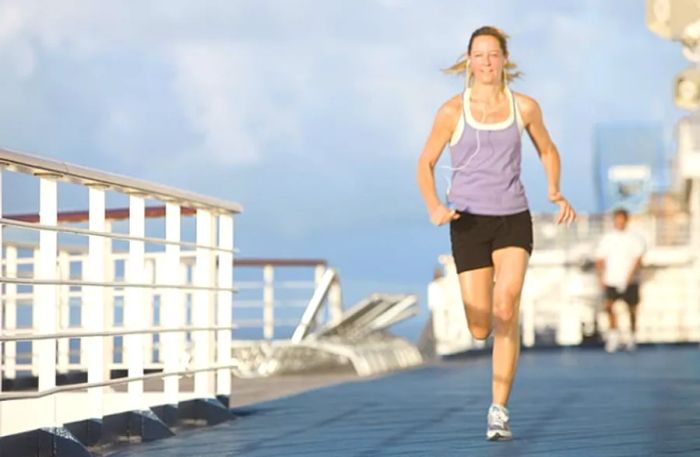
510	69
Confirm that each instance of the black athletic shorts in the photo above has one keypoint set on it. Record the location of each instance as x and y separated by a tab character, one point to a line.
629	295
474	237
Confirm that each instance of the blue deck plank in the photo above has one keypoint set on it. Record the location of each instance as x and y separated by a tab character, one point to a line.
568	402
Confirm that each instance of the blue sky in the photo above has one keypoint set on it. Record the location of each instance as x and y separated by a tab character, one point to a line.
312	113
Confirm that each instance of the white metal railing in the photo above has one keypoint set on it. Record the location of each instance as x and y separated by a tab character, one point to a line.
264	314
658	231
44	282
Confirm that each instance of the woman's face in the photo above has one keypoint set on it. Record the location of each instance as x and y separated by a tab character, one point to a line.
486	59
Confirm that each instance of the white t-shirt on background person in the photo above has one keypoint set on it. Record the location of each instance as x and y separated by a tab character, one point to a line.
619	250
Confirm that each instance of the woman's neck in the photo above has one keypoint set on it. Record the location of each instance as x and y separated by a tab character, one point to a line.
487	92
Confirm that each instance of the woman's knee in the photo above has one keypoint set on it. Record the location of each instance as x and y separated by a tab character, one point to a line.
478	319
505	304
479	331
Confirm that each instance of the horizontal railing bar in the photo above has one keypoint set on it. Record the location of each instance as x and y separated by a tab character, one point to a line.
251	323
111	382
294	284
151	212
26	336
260	306
30	164
250	285
112	235
258	301
65	282
255	262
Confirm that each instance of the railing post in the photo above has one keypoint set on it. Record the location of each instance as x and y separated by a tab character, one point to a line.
93	307
108	307
527	313
335	302
10	310
268	302
318	274
63	306
224	303
148	309
34	362
45	304
171	303
694	209
134	300
3	296
202	315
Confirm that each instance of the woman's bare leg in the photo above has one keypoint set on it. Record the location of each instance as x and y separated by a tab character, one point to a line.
477	292
510	265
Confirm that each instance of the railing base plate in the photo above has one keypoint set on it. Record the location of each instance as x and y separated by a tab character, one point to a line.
88	431
209	410
45	442
168	414
144	424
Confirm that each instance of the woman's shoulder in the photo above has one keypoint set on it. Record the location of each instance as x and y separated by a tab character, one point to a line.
451	109
529	108
525	102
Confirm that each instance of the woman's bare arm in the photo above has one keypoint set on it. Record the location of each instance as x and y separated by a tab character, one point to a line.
549	155
443	126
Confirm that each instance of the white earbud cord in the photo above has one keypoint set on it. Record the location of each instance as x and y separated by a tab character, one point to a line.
465	106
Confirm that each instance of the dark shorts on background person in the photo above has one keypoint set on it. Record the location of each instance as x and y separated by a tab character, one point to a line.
474	237
629	295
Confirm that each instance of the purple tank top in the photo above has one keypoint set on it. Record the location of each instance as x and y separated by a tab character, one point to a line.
487	181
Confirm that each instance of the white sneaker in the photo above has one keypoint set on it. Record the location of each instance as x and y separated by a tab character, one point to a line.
612	342
631	344
497	428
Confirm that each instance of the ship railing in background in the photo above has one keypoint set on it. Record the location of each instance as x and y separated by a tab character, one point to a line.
257	315
658	231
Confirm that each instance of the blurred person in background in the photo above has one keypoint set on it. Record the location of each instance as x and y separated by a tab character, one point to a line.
618	264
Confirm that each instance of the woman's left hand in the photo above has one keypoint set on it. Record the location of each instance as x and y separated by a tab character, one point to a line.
566	211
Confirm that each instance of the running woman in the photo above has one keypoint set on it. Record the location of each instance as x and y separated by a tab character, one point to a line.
490	223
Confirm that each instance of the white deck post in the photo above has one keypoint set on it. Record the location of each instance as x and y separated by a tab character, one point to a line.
527	316
148	310
94	306
45	304
10	310
134	300
335	301
694	208
268	302
202	313
171	302
224	303
108	306
63	306
318	275
3	293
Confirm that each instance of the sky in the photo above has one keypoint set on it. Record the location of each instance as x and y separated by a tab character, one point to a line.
312	113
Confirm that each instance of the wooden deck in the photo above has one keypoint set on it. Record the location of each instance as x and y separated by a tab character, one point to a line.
566	402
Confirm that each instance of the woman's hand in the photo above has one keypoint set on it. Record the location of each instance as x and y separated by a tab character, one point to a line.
442	215
566	211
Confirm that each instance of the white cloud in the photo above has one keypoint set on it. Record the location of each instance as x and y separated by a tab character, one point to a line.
349	86
240	98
